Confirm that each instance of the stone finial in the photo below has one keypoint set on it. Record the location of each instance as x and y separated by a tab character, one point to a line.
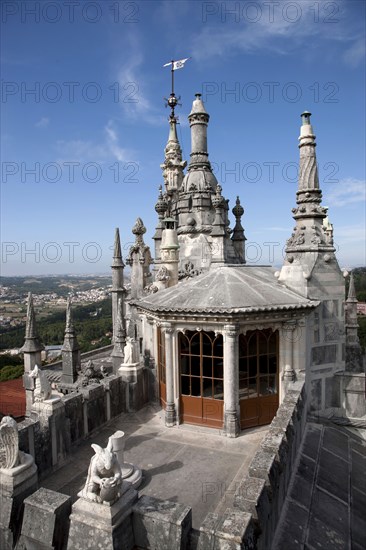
32	342
217	199
117	252
139	229
238	210
70	340
161	205
9	443
69	324
238	238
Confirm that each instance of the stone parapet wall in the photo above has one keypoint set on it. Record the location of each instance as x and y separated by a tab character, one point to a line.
262	493
93	354
50	432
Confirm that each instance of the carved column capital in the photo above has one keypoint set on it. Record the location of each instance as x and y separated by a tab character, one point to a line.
167	327
231	330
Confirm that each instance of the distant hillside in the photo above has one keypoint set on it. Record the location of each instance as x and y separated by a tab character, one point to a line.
359	274
61	285
51	330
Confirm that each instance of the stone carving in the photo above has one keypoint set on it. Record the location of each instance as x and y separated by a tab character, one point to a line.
90	375
42	387
104	478
162	274
150	289
188	271
9	443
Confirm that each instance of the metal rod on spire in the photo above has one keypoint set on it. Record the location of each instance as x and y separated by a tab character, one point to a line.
172	101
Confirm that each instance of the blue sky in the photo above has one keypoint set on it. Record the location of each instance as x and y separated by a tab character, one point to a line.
81	154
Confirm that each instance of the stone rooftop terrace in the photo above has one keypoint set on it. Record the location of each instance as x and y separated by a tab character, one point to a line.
191	465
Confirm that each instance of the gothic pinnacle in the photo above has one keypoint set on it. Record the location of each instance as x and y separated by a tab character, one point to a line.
117	252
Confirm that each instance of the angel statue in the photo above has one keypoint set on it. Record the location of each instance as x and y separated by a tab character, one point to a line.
104	478
9	443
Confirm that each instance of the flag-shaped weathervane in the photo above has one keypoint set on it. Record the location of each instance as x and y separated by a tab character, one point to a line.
175	65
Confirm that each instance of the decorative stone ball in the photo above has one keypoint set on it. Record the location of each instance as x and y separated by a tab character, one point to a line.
162	204
238	210
191	221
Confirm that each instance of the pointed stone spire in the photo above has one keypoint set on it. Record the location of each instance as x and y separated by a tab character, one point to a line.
173	165
238	236
70	350
351	314
117	253
309	233
69	321
32	346
118	289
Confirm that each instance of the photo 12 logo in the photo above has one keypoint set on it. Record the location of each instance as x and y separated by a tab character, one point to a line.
28	11
270	12
69	171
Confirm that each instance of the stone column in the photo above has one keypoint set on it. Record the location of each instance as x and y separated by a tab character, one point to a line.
287	335
170	412
231	381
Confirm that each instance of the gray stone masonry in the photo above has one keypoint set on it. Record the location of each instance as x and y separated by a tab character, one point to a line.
45	521
161	524
326	502
263	491
15	485
94	525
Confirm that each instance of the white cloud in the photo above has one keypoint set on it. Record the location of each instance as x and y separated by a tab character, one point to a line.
356	53
281	28
87	151
346	191
42	123
133	86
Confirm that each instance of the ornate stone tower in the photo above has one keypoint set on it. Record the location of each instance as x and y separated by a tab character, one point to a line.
118	289
32	346
70	351
203	225
311	269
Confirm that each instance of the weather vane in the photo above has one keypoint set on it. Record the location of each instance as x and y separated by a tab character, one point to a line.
172	100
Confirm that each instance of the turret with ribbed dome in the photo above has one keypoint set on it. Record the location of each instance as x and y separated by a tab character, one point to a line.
199	176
